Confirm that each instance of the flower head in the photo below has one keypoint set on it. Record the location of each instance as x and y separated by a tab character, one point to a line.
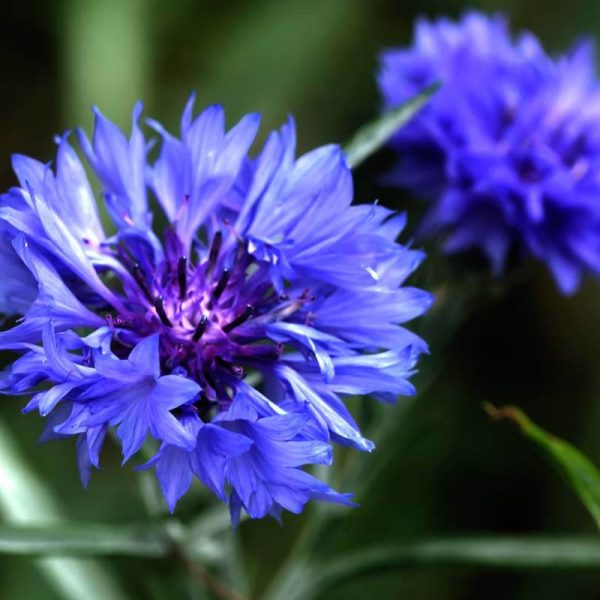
508	150
258	269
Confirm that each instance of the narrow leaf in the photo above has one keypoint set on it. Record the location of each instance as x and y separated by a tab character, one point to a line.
83	540
577	469
373	136
313	580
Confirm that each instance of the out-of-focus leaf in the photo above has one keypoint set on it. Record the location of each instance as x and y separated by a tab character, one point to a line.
579	472
92	539
71	539
106	58
506	552
25	500
373	136
291	55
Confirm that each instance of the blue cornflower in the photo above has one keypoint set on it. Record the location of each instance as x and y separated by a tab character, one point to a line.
263	268
508	151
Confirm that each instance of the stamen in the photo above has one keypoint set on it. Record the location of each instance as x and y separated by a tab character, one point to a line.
211	381
138	275
200	328
215	248
221	284
241	318
235	370
160	310
261	352
182	277
241	249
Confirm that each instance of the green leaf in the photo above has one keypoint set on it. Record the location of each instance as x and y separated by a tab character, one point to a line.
94	44
315	578
577	469
284	80
373	136
26	500
83	540
505	552
92	539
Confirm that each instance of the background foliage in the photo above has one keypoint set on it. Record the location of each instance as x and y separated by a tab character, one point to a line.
450	468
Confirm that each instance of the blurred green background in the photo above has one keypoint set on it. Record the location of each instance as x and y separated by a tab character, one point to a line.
451	470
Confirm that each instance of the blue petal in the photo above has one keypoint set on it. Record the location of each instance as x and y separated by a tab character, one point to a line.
214	446
120	164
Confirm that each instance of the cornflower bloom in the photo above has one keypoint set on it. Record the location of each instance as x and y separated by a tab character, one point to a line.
507	153
232	307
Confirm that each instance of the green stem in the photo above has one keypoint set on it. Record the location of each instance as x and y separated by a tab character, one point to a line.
293	570
208	581
448	314
391	424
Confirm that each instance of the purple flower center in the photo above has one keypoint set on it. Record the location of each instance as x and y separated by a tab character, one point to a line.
209	308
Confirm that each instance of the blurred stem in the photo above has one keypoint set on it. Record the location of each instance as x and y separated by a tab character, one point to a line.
294	569
174	535
182	544
235	570
455	302
148	486
151	496
215	522
204	578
